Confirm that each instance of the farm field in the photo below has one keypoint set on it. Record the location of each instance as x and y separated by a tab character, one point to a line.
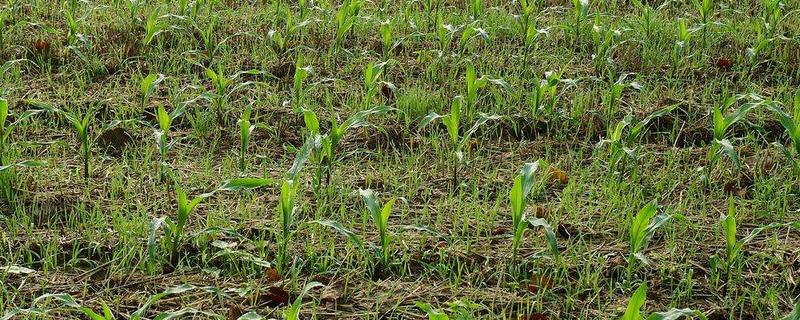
418	159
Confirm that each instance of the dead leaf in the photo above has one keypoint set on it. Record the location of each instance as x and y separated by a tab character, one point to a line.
539	282
557	176
272	275
234	312
541	212
274	297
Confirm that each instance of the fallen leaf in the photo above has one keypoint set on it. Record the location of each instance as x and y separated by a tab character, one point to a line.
542	212
724	63
16	270
234	312
539	282
557	176
274	297
272	275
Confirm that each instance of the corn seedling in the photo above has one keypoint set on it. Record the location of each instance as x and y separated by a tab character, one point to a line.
207	36
705	8
162	135
621	142
385	30
70	8
301	72
678	51
523	184
457	140
380	219
174	229
293	312
604	41
544	95
345	18
433	314
476	9
372	82
790	123
153	26
635	304
81	127
469	33
245	129
528	24
327	145
286	211
580	12
771	15
6	129
147	86
473	84
646	21
613	97
223	89
641	229
733	246
721	124
762	42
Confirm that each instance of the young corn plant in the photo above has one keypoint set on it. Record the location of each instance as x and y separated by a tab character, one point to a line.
790	123
476	9
762	42
245	129
175	229
604	40
286	210
326	146
633	310
380	219
346	17
372	82
469	33
301	72
223	90
721	124
524	183
528	24
70	9
678	51
474	84
733	246
153	26
386	30
6	129
580	12
293	312
207	35
165	121
705	8
621	142
80	125
544	95
147	86
457	140
640	230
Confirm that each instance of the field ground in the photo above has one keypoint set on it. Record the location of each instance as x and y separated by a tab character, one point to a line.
93	218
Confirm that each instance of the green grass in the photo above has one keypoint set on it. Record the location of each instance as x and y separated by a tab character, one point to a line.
682	104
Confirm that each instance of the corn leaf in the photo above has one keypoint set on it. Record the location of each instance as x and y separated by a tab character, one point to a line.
632	312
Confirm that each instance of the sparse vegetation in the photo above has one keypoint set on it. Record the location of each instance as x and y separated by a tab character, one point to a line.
468	159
